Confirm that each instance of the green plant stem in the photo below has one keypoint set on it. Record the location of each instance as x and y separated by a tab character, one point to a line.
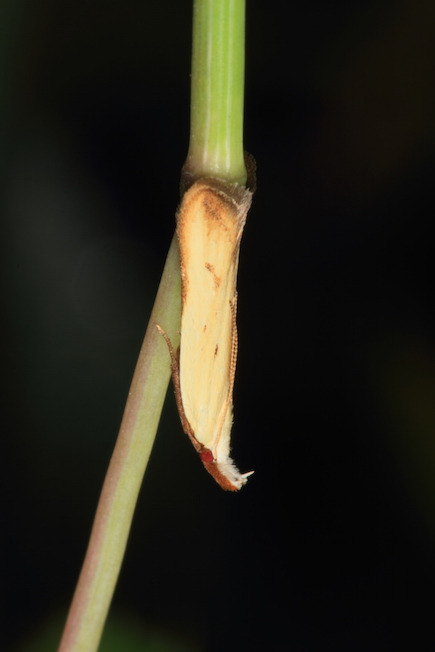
124	476
216	149
218	68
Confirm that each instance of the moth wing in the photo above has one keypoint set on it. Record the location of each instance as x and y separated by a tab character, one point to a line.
209	230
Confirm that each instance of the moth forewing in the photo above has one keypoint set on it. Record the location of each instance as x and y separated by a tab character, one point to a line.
210	223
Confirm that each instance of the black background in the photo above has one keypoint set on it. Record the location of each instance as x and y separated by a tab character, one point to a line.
331	544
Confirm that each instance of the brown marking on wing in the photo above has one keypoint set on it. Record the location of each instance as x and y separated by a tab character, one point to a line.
222	202
216	279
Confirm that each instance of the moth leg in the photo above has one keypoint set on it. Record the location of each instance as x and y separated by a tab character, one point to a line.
175	370
174	361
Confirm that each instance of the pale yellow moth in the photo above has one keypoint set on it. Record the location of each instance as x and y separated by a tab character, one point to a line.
210	223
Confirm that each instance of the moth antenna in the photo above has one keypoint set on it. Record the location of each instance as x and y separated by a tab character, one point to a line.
234	345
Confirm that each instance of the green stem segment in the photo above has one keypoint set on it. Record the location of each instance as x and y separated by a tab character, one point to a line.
216	149
218	68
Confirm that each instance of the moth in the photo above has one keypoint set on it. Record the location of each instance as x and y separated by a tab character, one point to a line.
210	222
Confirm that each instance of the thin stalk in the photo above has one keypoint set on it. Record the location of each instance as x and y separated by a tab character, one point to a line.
216	149
124	476
217	95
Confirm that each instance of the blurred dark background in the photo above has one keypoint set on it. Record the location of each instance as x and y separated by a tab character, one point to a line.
331	545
